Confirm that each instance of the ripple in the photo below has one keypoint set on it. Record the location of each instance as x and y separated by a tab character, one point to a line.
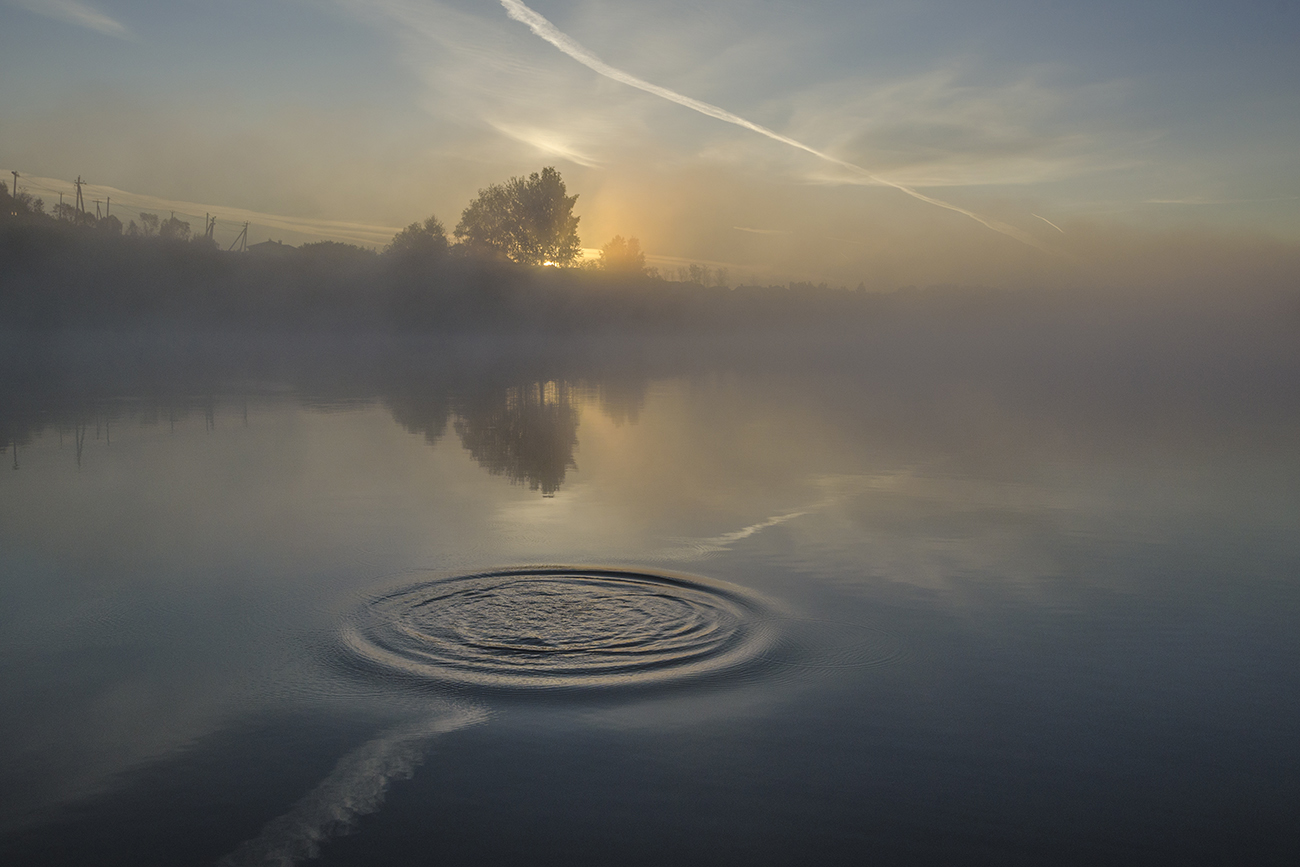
831	645
562	628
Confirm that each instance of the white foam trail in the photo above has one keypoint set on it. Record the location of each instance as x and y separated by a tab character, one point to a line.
552	34
1050	223
357	786
839	489
690	549
727	539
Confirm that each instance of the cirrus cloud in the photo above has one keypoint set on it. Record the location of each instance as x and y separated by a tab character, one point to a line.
75	12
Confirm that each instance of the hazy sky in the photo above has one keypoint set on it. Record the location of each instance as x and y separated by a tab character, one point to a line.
1069	127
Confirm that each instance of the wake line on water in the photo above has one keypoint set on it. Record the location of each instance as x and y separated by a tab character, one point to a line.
565	43
356	787
848	485
716	544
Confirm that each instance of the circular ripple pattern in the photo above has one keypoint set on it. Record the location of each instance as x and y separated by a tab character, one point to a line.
561	628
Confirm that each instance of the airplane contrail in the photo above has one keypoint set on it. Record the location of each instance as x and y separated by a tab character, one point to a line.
552	34
1050	223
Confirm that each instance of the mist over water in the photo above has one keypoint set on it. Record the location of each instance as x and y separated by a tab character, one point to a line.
617	433
971	582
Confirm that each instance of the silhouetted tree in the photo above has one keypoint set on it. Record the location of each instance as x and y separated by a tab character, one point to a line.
173	229
622	257
528	220
427	240
335	251
69	213
19	203
148	224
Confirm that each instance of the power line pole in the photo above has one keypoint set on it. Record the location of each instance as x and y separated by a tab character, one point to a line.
81	203
241	241
97	216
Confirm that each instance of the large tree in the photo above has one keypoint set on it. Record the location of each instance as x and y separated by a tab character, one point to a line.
528	220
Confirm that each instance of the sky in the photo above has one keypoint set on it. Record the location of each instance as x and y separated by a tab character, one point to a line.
883	143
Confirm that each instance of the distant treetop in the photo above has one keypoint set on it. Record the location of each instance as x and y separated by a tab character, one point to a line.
621	256
427	240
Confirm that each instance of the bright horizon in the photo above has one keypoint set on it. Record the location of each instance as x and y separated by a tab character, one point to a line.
891	144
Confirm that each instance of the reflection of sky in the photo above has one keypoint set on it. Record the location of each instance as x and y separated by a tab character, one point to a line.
379	111
175	578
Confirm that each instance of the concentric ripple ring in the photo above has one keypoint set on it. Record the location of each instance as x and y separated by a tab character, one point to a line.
560	628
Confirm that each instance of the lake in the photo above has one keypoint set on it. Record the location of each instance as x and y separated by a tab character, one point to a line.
647	601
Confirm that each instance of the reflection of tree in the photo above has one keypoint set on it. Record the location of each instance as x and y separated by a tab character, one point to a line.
424	413
517	416
621	398
12	435
527	434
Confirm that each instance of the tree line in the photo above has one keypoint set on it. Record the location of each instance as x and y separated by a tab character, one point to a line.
526	220
72	269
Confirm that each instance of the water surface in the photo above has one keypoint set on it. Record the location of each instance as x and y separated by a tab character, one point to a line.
644	603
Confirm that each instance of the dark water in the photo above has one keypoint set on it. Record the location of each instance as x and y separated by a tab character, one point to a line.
646	604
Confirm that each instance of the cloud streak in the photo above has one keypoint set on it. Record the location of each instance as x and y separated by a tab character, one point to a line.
125	202
73	12
544	29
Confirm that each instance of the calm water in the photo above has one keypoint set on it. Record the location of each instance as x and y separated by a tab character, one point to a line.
646	604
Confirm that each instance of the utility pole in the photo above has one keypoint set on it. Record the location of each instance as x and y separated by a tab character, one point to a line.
210	225
108	206
97	216
241	241
81	203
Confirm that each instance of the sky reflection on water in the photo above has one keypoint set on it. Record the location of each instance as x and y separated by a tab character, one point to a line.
1031	621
